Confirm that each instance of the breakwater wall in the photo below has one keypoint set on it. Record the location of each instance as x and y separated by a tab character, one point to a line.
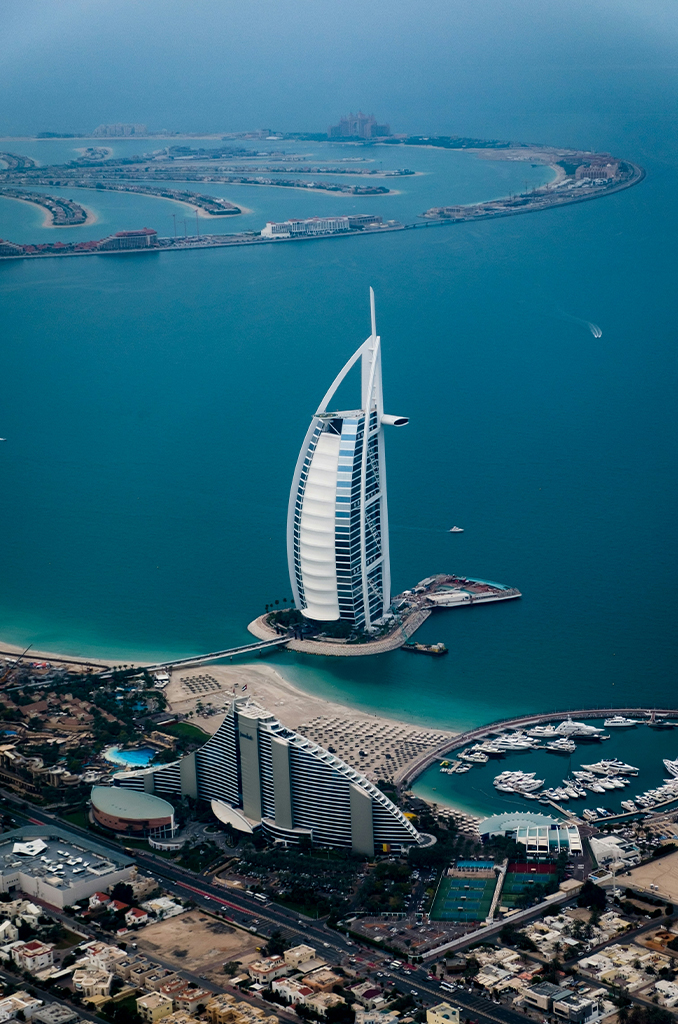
407	775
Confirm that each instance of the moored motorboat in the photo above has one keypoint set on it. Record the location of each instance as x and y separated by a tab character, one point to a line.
620	722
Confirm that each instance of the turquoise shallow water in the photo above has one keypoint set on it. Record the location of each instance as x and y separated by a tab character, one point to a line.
154	408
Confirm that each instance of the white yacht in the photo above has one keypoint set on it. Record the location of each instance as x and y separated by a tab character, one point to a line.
562	745
611	766
580	729
514	741
671	767
629	805
474	757
542	732
619	722
518	782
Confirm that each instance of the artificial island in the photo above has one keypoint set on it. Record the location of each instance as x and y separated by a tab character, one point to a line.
338	537
164	173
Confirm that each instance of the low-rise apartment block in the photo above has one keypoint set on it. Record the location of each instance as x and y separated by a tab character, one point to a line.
19	1002
319	226
93	983
55	1013
267	970
298	955
321	1002
154	1006
33	956
442	1013
667	993
225	1009
368	994
322	979
578	1009
296	992
163	907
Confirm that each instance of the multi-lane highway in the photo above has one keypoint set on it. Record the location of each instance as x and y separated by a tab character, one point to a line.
262	918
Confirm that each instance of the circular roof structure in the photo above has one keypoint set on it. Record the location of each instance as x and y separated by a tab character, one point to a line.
129	804
231	816
513	820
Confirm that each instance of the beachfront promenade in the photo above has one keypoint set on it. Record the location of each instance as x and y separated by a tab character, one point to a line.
406	776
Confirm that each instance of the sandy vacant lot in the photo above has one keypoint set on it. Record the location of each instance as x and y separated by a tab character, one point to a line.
662	872
196	942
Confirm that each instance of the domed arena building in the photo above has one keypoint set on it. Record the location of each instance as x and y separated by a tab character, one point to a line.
131	813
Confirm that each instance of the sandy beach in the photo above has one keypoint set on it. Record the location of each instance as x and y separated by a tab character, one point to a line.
203	214
378	746
39	654
47	216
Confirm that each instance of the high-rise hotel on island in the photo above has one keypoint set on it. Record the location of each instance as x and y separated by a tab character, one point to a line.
255	771
337	522
258	773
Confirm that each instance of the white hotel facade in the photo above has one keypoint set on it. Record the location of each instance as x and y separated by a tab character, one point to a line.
337	523
257	773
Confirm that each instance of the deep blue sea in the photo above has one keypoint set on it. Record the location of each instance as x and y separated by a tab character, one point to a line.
154	407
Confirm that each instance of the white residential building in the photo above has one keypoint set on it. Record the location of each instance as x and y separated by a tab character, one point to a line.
10	1006
33	956
667	992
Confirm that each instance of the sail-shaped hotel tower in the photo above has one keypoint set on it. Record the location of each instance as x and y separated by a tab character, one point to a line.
337	522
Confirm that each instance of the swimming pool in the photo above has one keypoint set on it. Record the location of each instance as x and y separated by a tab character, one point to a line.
139	757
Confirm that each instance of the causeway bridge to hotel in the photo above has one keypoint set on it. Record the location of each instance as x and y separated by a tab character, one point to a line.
197	659
233	652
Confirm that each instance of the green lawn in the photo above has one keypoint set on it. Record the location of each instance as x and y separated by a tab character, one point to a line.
191	732
69	939
77	818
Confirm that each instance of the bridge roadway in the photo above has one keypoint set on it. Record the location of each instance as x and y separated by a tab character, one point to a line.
202	659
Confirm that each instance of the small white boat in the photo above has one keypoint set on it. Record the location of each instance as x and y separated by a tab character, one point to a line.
620	722
456	529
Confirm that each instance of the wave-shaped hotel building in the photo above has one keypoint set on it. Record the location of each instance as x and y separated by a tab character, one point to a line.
337	522
257	773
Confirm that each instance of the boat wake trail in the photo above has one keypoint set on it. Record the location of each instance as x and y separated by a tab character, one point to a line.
593	328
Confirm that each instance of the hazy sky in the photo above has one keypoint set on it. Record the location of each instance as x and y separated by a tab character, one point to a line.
442	65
